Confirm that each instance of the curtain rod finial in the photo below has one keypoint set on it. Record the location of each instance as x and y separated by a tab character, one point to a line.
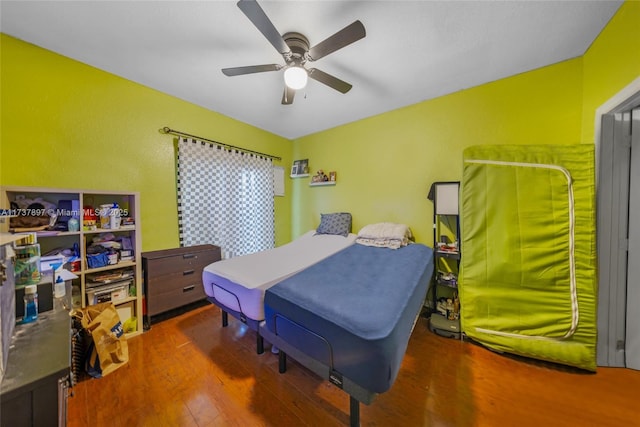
166	130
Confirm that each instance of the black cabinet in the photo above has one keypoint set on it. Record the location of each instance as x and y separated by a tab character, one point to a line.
35	384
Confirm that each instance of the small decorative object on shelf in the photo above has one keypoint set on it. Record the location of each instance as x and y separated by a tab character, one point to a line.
332	176
320	176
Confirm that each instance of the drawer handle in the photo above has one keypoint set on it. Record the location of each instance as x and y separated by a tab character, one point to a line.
188	288
187	256
188	272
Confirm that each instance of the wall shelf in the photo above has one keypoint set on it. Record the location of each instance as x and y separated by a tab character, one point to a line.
321	184
304	175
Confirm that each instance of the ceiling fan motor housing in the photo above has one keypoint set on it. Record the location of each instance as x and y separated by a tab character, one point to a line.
299	46
296	52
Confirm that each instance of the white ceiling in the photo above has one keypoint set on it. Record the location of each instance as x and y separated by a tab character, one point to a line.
413	50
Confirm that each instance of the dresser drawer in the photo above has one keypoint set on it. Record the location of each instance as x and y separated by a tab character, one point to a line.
173	277
175	298
178	263
162	284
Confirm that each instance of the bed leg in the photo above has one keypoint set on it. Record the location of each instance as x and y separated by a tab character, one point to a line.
225	319
282	362
354	408
260	344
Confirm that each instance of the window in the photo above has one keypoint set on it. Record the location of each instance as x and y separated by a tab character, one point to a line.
225	198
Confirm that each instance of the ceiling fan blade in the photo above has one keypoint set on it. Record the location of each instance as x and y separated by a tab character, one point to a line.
250	69
342	38
329	80
254	12
287	96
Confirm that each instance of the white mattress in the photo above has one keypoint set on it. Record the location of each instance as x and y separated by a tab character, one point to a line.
239	283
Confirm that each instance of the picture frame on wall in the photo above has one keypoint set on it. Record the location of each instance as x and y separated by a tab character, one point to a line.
300	168
303	168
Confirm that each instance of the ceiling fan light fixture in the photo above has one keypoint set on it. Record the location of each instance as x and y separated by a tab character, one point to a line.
295	50
295	77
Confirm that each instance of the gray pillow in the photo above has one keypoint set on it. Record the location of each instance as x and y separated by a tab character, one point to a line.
338	223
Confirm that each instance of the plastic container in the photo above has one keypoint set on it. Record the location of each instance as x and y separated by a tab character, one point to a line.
456	307
114	217
30	304
73	225
89	218
110	216
105	216
27	266
449	307
59	288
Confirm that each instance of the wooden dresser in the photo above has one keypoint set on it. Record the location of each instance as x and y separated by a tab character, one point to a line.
173	277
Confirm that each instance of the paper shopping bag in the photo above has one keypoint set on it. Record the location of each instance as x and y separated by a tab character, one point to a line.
108	350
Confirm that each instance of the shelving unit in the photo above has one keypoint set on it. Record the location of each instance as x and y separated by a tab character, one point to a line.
445	310
129	305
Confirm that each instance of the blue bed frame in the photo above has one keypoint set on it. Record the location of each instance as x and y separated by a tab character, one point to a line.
349	317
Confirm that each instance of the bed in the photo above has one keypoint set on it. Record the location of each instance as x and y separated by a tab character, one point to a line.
349	317
237	285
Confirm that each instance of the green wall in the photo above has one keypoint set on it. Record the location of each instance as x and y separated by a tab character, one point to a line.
69	125
385	164
611	63
65	124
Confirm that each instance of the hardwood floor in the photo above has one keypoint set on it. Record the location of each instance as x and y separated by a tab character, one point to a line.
189	371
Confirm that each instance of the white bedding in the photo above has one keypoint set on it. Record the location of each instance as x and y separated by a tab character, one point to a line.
384	235
239	283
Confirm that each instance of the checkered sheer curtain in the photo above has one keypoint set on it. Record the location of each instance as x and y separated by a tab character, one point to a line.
225	198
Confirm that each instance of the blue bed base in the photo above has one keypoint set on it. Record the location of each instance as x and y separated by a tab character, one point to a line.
349	317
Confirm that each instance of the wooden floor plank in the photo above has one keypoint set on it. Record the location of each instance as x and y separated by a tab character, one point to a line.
188	371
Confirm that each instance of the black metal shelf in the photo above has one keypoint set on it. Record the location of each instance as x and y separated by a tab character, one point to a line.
447	256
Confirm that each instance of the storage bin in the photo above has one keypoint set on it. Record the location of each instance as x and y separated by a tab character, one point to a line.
97	260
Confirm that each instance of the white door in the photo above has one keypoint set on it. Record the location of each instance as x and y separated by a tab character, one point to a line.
632	344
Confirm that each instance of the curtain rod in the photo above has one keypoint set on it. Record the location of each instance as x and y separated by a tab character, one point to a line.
179	133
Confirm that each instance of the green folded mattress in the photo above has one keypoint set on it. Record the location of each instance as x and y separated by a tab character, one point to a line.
528	274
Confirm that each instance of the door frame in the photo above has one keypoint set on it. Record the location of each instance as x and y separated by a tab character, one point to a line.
611	164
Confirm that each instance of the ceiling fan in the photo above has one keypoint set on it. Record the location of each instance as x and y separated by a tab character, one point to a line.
294	48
